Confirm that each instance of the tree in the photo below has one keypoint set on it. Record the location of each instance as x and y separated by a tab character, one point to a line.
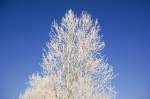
73	67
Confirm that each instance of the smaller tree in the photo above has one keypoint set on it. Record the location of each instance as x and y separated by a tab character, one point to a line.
73	67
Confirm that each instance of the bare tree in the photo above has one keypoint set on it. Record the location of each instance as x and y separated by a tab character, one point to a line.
73	67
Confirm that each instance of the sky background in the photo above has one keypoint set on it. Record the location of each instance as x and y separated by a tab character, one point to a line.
125	24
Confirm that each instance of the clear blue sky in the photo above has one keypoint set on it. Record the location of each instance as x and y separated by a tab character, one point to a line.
125	24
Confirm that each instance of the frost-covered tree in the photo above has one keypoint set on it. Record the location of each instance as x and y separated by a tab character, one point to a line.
73	67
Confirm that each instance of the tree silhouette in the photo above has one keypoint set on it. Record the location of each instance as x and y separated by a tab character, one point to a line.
73	67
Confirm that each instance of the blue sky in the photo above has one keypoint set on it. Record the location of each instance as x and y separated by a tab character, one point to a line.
125	24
